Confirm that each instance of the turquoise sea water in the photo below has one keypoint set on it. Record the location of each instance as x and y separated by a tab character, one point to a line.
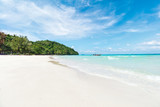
136	70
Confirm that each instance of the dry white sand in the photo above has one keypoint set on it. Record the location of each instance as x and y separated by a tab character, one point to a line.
33	81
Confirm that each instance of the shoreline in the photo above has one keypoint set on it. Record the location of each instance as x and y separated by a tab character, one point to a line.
37	81
151	83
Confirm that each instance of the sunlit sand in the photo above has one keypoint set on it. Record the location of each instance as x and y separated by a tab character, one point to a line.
38	81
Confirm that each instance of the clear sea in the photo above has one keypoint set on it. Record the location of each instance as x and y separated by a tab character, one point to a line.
136	70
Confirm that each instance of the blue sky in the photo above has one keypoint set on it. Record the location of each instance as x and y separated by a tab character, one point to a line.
88	26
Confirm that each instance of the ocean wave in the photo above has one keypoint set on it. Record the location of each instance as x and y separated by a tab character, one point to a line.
154	78
112	58
85	59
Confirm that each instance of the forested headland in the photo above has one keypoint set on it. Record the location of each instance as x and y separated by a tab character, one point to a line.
20	45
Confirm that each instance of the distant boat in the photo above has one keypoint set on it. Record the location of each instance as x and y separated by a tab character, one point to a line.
96	54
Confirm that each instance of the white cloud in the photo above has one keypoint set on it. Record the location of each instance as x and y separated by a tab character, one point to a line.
148	48
55	21
111	23
104	18
72	47
6	1
158	34
158	11
155	47
88	51
109	48
151	43
159	14
131	30
128	22
128	44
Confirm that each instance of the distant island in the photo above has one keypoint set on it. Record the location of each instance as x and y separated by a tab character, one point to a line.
20	45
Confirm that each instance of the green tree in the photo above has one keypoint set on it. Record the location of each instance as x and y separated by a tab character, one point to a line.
21	45
2	39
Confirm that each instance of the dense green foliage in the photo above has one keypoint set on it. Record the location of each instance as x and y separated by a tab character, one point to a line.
21	45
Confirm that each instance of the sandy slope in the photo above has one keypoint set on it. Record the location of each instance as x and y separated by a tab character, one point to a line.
33	81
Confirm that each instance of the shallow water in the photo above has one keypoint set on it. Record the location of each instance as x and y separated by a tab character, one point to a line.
136	70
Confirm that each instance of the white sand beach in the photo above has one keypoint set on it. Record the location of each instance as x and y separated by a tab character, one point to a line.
35	81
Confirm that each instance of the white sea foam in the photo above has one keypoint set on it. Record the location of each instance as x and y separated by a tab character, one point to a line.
112	58
85	59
